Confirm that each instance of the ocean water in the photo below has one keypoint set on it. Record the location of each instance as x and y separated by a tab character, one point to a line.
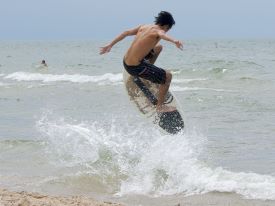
70	128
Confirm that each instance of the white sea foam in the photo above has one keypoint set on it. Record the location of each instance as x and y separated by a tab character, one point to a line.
107	78
180	89
147	162
187	80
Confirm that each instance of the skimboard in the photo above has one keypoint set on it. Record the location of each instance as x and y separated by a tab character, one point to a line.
143	94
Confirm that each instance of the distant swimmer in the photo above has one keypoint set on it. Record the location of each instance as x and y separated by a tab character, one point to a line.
140	58
43	63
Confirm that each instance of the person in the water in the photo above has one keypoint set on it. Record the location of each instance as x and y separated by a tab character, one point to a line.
143	52
44	63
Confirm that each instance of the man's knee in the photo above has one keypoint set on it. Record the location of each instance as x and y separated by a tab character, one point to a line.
168	77
158	48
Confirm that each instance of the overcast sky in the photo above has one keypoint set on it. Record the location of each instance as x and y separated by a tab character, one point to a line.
103	19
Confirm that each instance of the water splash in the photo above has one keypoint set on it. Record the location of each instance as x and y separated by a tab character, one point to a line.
138	160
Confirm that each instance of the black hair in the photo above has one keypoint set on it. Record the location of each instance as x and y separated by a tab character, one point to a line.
165	18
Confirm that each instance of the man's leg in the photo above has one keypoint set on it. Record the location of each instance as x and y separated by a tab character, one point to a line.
157	50
163	89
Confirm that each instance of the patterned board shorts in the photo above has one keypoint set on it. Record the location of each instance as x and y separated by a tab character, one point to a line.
147	71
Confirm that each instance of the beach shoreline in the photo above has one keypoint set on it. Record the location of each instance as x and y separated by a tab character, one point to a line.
23	198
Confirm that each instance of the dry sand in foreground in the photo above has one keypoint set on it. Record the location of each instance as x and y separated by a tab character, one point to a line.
8	198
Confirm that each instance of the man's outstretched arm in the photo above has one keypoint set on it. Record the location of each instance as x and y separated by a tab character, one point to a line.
124	34
164	36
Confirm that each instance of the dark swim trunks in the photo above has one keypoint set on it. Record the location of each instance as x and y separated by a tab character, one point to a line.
147	71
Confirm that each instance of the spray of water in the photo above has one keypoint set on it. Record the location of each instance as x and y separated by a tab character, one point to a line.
134	159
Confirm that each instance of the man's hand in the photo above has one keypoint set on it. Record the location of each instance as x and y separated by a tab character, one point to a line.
105	49
179	44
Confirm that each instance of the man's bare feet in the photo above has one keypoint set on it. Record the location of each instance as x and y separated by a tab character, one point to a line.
164	108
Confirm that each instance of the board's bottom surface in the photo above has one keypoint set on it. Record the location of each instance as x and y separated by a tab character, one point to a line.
171	122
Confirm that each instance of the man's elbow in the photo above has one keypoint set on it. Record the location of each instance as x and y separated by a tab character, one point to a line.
125	33
129	33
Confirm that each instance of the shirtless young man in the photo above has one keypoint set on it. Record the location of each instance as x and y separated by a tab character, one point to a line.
143	52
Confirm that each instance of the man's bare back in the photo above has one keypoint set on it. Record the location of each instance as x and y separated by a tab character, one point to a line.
146	39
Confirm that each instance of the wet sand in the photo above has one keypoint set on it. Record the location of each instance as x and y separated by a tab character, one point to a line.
209	199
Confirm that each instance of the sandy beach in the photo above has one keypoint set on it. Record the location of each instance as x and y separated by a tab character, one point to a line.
9	198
